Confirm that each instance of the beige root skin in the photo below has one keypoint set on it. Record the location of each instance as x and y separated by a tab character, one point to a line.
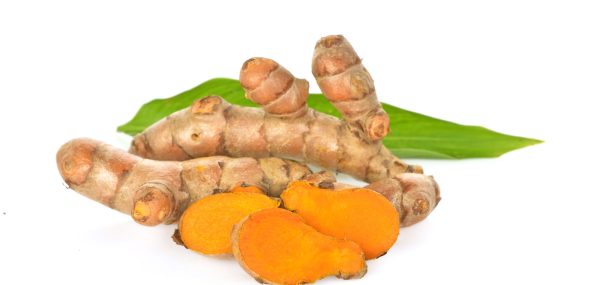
244	131
349	87
413	195
155	192
152	206
274	87
284	126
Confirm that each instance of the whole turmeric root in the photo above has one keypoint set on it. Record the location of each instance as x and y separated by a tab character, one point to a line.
275	246
156	192
285	126
206	225
360	215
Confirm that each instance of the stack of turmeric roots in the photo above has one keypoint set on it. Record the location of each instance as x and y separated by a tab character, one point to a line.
234	177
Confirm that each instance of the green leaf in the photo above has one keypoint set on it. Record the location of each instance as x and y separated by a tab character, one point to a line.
412	135
420	136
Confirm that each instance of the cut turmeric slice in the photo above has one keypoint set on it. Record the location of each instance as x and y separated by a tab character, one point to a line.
206	225
246	188
360	215
275	246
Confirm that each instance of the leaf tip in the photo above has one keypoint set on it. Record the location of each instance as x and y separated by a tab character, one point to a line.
534	141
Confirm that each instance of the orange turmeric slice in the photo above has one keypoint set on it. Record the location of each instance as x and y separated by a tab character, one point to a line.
206	225
246	188
360	215
275	246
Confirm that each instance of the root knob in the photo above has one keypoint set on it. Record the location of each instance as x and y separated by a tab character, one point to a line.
75	160
152	208
138	146
206	105
255	71
420	206
378	126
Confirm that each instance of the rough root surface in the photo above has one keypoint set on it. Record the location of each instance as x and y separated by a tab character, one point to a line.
155	192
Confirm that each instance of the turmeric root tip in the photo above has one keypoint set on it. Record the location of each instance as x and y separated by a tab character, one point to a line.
414	195
276	246
360	215
271	85
206	225
153	206
349	86
378	126
75	160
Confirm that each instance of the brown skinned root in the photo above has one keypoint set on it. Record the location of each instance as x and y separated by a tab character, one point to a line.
155	192
413	195
347	84
275	246
360	215
245	131
285	126
206	225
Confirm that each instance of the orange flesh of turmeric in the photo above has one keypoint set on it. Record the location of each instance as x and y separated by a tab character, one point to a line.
276	246
206	225
360	215
247	189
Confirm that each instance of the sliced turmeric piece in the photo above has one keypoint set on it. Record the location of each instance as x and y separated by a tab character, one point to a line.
360	215
206	225
246	188
275	246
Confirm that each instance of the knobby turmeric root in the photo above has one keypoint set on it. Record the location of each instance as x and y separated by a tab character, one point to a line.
155	192
285	126
347	84
413	195
360	215
206	225
275	246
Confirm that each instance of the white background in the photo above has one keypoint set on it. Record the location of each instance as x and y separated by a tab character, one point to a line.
531	68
